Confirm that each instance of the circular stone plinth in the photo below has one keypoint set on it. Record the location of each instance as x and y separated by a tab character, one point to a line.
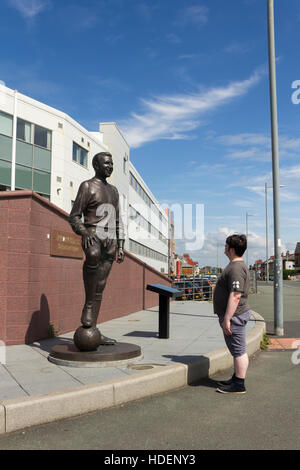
104	356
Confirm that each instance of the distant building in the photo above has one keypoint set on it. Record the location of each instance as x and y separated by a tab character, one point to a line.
210	270
185	266
297	255
288	263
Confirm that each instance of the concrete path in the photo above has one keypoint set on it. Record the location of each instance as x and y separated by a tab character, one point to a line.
188	420
35	391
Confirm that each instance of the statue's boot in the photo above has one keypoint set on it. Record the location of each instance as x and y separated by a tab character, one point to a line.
89	279
96	308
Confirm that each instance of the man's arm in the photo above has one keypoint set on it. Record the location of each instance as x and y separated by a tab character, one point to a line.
233	300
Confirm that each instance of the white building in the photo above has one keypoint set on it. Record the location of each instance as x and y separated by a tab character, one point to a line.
45	150
147	224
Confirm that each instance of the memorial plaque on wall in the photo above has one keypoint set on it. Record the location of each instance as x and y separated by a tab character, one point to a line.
65	244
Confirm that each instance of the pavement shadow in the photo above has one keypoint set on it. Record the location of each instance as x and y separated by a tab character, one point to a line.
198	370
143	334
39	327
205	382
48	344
39	323
198	367
212	317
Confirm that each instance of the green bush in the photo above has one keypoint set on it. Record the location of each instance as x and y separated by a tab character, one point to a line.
52	331
289	272
264	342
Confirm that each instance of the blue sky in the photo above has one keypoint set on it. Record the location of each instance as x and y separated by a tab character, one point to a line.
187	83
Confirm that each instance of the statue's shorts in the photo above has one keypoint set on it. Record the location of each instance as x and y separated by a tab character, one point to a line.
103	249
236	342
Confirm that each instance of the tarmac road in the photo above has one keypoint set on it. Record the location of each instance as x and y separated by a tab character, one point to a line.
263	303
195	417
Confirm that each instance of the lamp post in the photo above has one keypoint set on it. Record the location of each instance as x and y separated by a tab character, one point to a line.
278	294
267	238
248	215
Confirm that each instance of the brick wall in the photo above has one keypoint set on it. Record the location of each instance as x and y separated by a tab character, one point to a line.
36	288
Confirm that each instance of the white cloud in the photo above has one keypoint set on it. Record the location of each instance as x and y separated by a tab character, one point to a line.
244	139
173	38
212	252
236	48
146	10
257	147
172	117
289	178
193	15
251	154
29	8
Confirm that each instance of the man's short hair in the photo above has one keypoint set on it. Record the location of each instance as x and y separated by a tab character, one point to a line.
100	155
238	243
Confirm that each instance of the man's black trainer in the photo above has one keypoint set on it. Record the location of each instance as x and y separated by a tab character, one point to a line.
233	387
226	382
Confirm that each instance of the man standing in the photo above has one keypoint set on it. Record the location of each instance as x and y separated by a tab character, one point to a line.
231	305
102	235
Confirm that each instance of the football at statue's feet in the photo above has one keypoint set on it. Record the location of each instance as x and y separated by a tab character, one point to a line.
87	339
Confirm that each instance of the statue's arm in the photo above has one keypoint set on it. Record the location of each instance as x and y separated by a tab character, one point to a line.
120	231
75	218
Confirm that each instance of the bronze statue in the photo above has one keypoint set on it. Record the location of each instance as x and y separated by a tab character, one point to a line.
102	237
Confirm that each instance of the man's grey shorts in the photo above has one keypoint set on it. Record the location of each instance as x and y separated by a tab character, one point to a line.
236	342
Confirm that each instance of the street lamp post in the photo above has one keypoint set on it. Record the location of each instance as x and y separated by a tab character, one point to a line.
267	238
278	294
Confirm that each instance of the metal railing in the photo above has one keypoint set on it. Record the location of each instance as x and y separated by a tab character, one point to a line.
195	288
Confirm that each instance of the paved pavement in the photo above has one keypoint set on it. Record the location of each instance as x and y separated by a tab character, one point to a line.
35	391
192	418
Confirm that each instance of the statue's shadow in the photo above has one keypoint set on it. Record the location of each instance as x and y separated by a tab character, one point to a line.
48	343
40	326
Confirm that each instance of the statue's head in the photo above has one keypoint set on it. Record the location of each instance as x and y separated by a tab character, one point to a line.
103	164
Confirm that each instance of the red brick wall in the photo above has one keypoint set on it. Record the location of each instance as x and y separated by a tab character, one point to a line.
36	288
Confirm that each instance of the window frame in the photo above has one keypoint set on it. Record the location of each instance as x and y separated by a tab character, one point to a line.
81	148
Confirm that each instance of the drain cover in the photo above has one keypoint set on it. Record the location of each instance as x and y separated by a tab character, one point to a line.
144	366
140	366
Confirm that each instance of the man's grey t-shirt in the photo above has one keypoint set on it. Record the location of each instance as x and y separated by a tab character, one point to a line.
234	278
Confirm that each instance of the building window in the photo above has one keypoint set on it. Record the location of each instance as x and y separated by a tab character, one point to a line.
5	173
143	250
6	121
5	147
79	155
33	155
23	130
23	177
42	137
